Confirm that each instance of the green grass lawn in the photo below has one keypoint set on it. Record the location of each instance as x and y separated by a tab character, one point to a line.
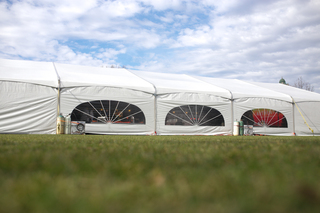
70	173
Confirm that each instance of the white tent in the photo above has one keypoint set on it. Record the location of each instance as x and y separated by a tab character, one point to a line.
119	101
188	106
28	97
306	109
268	111
111	101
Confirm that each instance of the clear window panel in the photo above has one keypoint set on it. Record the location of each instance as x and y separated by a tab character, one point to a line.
264	118
194	115
108	111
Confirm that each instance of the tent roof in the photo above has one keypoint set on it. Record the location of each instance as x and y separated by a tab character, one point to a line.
48	73
42	73
242	89
75	76
299	95
177	83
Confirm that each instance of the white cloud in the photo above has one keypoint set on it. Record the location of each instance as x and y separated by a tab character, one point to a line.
200	36
169	17
146	39
250	39
110	53
269	42
116	9
163	5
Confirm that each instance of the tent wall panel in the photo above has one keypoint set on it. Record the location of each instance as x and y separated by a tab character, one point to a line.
27	108
242	105
29	100
174	90
72	97
311	112
308	103
167	102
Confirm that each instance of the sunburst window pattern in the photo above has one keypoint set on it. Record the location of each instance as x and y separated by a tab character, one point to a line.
264	118
108	111
194	115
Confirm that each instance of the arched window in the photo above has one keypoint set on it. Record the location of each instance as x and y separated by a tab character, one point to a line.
264	118
108	111
194	115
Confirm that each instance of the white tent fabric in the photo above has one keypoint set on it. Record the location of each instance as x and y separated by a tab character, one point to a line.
84	76
40	73
28	97
119	101
82	84
307	102
175	91
251	97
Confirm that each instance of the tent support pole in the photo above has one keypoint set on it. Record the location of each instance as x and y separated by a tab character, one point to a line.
155	109
155	95
155	114
232	115
59	89
293	118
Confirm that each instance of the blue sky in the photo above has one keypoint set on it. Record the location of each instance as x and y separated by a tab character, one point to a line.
255	40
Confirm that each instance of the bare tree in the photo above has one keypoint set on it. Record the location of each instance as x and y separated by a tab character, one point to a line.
302	84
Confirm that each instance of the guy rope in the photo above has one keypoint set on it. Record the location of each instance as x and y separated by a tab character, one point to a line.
303	117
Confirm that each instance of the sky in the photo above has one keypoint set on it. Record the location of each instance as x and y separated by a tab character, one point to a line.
253	40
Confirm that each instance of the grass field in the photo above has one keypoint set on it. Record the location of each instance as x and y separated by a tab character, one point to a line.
69	173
